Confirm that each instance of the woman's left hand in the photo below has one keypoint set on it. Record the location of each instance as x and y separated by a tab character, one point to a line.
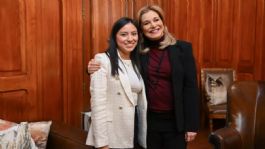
190	136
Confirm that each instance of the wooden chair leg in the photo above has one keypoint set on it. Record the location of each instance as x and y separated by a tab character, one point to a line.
211	124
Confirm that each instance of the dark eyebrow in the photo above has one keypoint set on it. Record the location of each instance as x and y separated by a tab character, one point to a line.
146	21
124	32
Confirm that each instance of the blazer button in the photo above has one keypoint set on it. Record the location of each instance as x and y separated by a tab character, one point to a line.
120	107
116	77
118	93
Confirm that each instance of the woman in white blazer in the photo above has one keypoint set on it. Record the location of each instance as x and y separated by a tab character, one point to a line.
117	92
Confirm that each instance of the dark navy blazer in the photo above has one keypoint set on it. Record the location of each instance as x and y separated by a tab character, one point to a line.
185	86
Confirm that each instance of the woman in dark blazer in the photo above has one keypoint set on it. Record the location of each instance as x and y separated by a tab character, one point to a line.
169	73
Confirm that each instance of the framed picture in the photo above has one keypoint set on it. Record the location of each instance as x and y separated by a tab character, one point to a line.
215	82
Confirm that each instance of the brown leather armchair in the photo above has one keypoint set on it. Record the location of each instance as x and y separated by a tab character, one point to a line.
245	125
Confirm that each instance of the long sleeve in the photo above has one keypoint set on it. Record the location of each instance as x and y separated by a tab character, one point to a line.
191	93
98	90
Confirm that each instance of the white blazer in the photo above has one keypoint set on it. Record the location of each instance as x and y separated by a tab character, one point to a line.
113	109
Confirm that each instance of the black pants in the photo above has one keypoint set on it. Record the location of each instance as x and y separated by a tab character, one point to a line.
162	132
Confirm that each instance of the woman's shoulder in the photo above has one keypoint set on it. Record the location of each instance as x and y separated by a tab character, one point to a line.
102	58
183	46
100	55
183	43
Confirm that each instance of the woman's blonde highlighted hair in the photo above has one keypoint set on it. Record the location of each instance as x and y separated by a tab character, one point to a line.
168	38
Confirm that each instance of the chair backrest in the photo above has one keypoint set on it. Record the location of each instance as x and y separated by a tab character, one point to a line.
214	84
246	112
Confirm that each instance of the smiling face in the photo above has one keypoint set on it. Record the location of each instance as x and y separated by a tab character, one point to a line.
152	25
127	38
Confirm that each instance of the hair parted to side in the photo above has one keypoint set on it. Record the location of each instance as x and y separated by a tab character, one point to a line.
168	38
112	51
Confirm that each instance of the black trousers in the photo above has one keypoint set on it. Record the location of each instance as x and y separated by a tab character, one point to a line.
162	132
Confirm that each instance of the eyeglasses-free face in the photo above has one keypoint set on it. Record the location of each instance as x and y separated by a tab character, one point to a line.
152	25
127	38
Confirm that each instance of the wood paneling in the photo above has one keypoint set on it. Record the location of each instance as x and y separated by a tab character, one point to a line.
245	26
87	52
205	46
49	59
18	95
136	4
13	30
41	72
72	62
260	41
18	103
46	44
223	32
104	14
223	41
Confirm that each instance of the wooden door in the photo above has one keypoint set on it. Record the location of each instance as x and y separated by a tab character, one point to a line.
41	67
18	95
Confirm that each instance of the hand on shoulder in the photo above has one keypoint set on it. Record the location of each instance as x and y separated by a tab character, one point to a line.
93	66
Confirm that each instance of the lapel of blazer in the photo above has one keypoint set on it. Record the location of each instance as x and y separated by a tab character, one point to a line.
125	82
176	61
173	52
144	64
176	56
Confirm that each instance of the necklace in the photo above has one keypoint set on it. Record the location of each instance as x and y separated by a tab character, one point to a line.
154	82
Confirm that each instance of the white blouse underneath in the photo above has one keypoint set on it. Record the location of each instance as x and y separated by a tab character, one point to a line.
135	82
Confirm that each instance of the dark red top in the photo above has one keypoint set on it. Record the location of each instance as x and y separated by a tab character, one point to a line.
159	86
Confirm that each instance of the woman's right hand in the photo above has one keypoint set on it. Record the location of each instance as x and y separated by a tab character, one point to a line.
93	66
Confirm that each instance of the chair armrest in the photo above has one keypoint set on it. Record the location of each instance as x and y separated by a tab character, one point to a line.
225	138
66	137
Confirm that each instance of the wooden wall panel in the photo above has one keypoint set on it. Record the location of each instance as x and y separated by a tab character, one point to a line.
72	61
192	21
223	41
176	17
13	30
222	32
87	50
41	72
18	95
207	33
137	5
104	14
49	62
18	103
194	25
244	32
260	41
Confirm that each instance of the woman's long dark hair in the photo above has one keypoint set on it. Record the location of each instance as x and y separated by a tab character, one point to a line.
112	51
